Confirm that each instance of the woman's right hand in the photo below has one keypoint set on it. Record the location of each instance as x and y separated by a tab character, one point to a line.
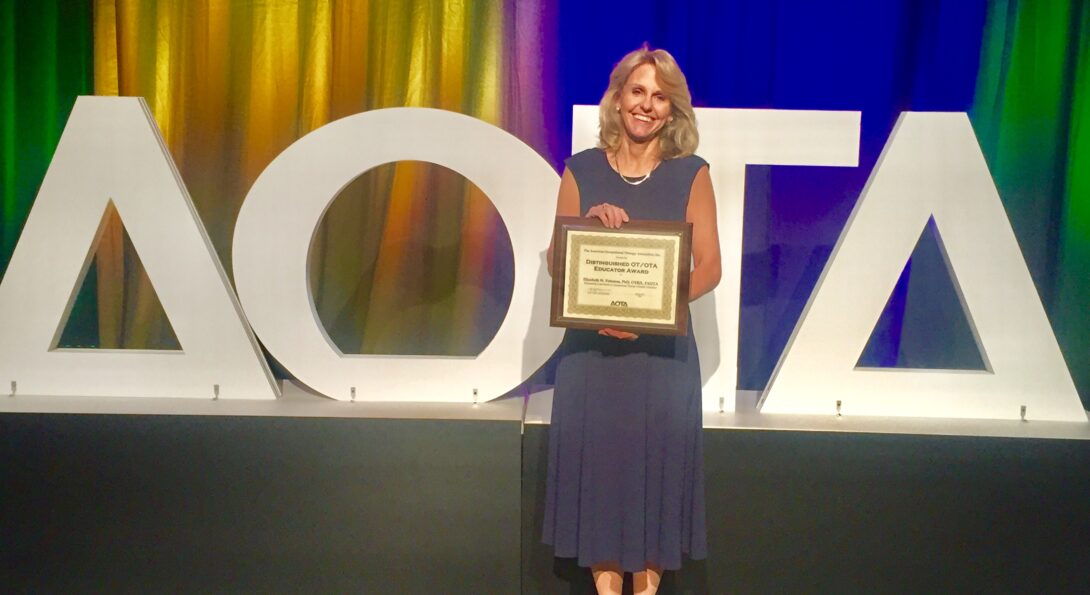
625	335
610	215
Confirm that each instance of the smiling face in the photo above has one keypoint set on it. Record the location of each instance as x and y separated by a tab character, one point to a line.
643	105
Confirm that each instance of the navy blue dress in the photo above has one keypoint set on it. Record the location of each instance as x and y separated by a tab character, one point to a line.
626	473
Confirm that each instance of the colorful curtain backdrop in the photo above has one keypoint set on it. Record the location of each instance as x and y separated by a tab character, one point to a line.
412	259
406	247
45	62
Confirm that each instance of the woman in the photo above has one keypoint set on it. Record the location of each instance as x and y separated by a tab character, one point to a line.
625	487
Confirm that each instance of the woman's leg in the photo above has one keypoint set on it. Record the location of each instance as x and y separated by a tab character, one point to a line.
608	578
647	582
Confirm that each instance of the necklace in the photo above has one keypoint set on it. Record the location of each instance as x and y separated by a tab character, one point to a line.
632	180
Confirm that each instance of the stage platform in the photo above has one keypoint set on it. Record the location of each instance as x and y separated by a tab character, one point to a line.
306	494
298	495
827	504
295	401
539	409
298	401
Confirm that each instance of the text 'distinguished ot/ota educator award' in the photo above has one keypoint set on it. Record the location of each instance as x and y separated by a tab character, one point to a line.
635	278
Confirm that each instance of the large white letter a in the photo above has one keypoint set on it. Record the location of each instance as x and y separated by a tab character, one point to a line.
932	166
111	151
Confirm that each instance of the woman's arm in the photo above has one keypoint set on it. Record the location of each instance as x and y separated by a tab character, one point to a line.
707	267
567	205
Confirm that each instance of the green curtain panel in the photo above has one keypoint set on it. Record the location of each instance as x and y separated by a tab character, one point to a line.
1031	114
46	61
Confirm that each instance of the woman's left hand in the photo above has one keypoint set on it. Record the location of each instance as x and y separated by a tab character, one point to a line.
624	335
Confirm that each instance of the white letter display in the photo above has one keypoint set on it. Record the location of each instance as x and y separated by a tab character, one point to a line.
111	150
931	166
731	139
284	207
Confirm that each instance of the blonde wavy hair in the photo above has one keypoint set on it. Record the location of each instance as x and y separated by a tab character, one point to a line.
678	137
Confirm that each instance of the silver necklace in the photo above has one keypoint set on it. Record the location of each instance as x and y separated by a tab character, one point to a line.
634	181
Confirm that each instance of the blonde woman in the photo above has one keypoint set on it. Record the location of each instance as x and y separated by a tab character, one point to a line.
625	487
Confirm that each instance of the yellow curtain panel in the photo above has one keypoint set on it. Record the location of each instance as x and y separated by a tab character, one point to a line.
406	247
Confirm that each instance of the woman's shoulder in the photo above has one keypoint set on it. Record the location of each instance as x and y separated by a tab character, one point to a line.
584	159
688	166
693	162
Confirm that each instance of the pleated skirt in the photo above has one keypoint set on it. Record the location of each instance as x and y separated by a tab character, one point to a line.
625	479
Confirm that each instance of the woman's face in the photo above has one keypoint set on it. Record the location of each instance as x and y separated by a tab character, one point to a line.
643	105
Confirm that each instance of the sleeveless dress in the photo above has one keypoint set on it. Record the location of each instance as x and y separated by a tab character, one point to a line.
625	479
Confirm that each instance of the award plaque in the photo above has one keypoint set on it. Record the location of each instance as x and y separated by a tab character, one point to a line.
633	279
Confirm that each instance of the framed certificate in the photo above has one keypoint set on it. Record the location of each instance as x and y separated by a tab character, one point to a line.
634	279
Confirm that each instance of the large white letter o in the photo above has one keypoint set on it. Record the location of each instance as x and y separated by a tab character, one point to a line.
283	209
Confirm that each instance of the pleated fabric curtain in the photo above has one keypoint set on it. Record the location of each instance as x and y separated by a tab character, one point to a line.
1031	114
232	84
411	259
45	63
